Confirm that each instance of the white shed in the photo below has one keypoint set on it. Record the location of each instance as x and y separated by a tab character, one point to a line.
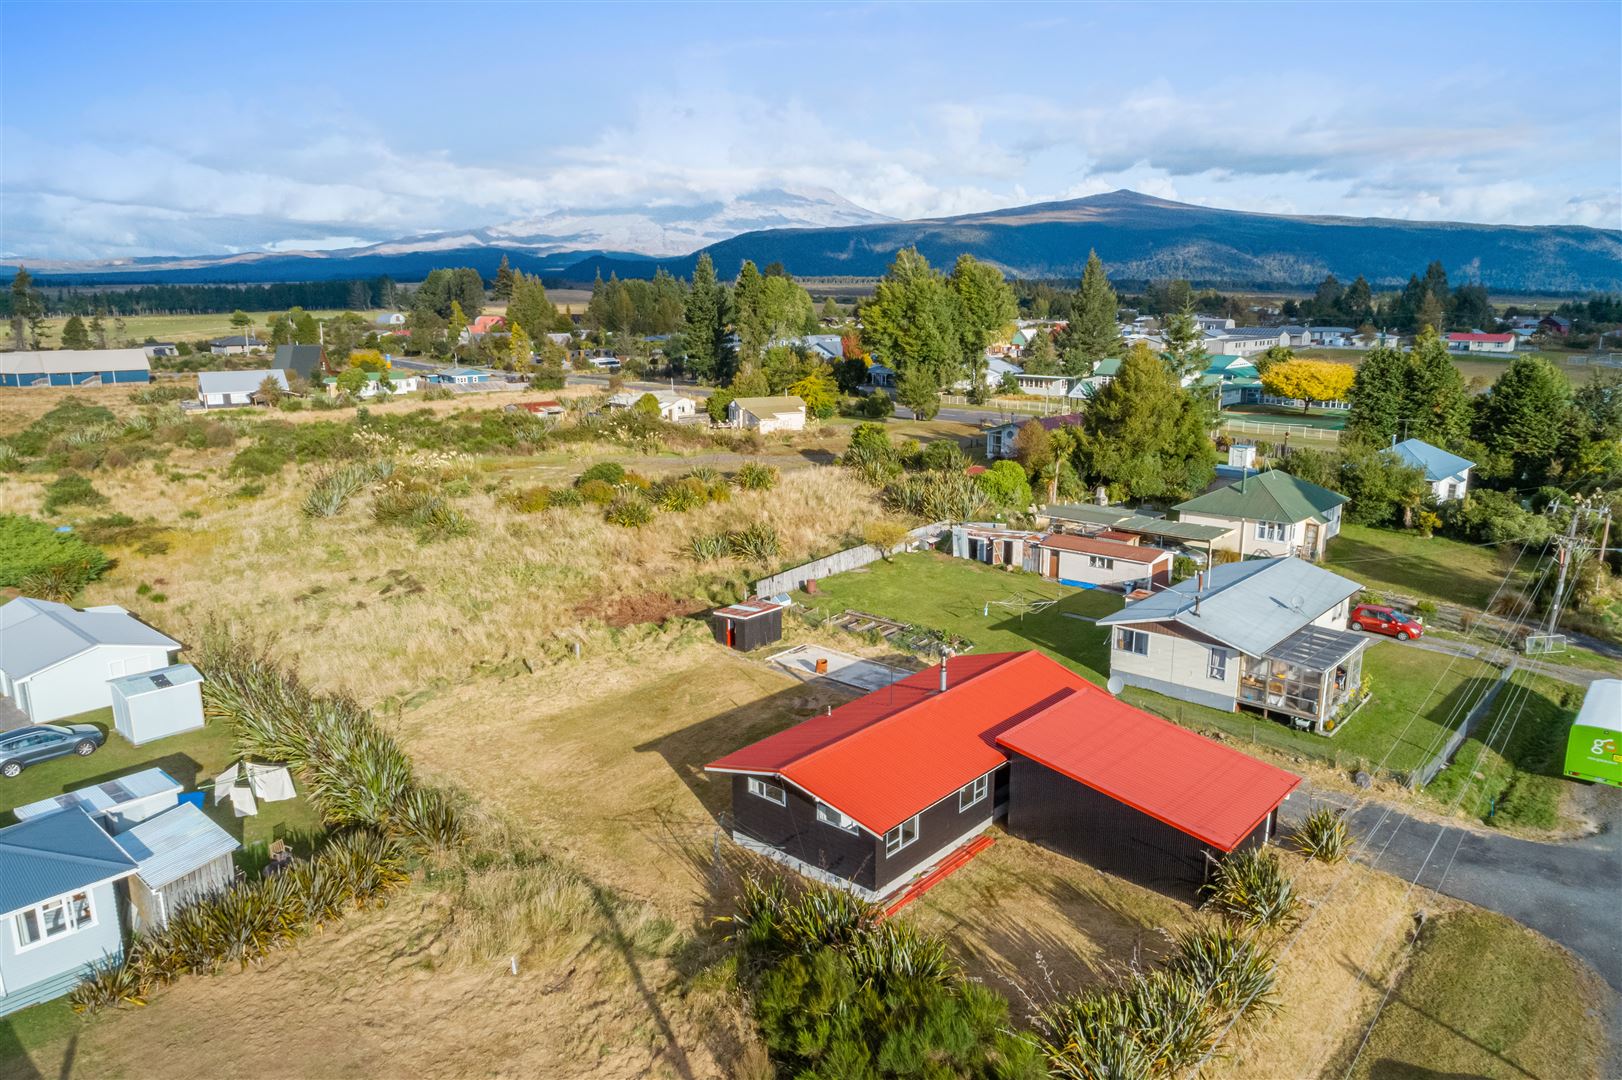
181	857
157	703
56	660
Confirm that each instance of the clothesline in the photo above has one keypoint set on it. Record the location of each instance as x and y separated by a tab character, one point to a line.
272	783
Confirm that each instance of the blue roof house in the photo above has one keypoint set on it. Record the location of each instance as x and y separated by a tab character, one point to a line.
460	376
1447	474
58	901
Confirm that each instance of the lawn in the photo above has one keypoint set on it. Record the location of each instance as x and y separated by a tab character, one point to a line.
1518	780
179	327
960	598
1417	698
1405	562
1327	419
1485	997
193	758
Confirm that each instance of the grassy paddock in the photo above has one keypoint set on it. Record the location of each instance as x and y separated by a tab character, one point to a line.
1485	997
181	327
942	593
1441	569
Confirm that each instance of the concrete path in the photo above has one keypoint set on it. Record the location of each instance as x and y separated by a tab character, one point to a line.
11	716
1570	892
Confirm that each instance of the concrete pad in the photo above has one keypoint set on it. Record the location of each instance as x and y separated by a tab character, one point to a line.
844	668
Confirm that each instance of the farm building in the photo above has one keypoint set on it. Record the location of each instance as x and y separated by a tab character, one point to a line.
1447	474
748	625
767	414
875	794
1268	514
74	367
1090	561
154	704
56	660
1095	779
58	895
231	389
1267	634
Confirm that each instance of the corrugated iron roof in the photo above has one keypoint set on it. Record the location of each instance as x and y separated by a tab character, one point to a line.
239	382
1215	794
173	844
890	754
748	609
1437	463
56	854
1274	495
68	361
107	795
37	634
149	681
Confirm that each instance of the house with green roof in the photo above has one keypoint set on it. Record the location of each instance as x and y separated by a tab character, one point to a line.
1268	514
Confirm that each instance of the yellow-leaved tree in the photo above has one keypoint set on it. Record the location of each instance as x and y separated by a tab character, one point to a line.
1309	380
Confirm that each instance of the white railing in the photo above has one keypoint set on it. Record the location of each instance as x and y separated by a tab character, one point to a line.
1300	431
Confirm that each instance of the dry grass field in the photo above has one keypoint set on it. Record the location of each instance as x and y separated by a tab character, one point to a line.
601	858
140	328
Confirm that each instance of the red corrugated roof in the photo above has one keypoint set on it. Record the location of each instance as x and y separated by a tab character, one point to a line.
1108	549
1481	337
748	609
886	756
1197	786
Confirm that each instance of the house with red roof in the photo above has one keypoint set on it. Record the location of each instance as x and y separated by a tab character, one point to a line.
1481	343
876	794
1091	561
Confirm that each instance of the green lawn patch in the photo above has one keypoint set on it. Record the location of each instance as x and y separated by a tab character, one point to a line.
193	758
1326	419
939	592
1485	997
1407	563
1418	697
1518	780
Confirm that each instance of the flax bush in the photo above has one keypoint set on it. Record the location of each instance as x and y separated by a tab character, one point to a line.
1322	835
1251	887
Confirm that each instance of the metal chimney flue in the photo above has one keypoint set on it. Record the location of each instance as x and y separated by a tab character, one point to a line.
943	674
1199	587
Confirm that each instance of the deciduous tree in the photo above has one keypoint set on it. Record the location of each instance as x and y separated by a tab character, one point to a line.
1309	381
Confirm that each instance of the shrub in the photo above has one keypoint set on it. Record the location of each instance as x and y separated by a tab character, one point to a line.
878	405
758	543
629	511
709	547
260	459
1183	567
1006	487
530	500
884	535
609	472
717	405
161	393
29	547
754	476
564	497
944	455
677	496
1322	835
428	512
938	497
71	489
600	492
334	487
1251	887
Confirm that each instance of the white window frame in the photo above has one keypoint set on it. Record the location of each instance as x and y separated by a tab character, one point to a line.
973	793
1100	562
772	793
1126	640
828	815
1276	531
1217	666
897	839
73	923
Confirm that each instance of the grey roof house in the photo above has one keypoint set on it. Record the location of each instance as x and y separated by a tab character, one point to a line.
1267	634
1447	474
57	661
306	361
225	389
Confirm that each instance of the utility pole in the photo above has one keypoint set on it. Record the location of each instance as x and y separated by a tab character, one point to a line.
1563	557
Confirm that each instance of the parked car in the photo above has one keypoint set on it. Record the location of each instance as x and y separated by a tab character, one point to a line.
1386	620
31	745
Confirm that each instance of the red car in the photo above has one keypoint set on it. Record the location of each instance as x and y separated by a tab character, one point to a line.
1384	620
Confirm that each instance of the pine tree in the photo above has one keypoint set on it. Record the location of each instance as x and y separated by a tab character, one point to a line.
1092	334
529	307
1436	403
749	315
704	324
503	288
1185	344
1145	433
74	334
98	330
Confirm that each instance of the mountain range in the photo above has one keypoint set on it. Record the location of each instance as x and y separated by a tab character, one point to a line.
816	233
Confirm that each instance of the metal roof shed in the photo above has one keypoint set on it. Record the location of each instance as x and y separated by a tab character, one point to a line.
114	804
155	704
180	856
748	625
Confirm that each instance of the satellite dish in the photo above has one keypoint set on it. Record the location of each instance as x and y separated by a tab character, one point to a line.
1115	685
1296	601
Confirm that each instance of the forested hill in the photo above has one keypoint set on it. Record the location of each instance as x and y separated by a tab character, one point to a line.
1142	238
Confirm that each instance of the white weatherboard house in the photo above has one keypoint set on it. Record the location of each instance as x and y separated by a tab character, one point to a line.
767	414
672	406
1266	514
56	661
1267	634
1447	474
223	389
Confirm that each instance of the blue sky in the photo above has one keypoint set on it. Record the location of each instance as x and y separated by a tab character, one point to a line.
133	129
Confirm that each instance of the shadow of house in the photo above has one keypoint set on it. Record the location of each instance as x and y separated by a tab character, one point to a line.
1055	632
15	1063
1411	748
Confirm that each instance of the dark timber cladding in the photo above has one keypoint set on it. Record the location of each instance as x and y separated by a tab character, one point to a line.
748	625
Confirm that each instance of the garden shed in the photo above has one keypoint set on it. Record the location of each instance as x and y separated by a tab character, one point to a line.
155	704
180	856
748	625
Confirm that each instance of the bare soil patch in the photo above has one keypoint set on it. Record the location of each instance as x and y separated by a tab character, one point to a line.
636	608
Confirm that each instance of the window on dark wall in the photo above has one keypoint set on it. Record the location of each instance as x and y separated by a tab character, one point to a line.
829	816
973	792
769	792
903	835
